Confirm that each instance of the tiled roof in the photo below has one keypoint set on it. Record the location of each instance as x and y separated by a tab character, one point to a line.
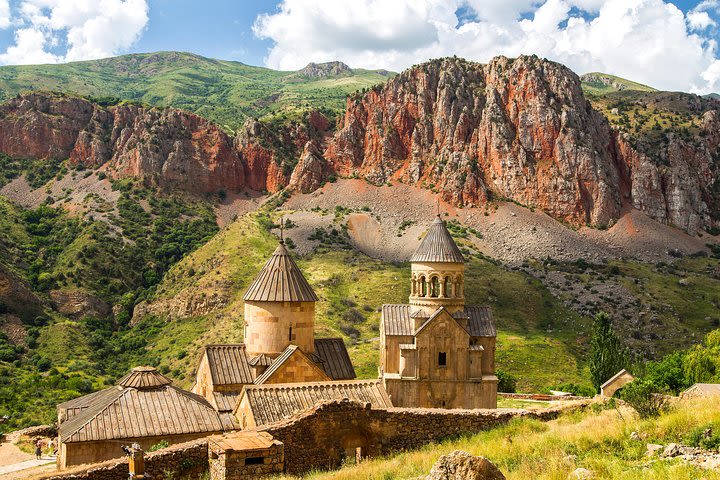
77	405
226	401
141	412
144	377
480	321
228	364
397	320
280	280
335	359
274	402
261	360
438	246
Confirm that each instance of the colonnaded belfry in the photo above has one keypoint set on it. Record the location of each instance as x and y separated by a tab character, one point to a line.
436	351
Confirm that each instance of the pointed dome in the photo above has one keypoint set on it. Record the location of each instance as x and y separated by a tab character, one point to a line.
438	246
144	377
280	280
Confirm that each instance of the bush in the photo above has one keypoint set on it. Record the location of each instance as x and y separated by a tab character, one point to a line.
646	397
704	436
160	445
507	382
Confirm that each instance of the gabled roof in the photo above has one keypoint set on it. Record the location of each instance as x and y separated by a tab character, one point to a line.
335	359
261	360
274	402
280	280
615	377
132	412
282	359
705	388
226	401
228	364
397	320
436	314
438	246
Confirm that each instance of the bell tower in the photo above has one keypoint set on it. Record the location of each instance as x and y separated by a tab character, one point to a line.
437	274
279	308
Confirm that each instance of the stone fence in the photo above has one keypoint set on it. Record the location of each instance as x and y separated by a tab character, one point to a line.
187	460
325	436
540	396
335	431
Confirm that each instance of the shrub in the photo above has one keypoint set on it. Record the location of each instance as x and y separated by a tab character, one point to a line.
160	445
646	397
704	436
507	382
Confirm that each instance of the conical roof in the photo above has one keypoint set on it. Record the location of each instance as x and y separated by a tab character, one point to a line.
280	280
144	377
438	246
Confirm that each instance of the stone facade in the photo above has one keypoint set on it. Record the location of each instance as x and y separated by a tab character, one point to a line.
615	383
245	455
271	326
436	352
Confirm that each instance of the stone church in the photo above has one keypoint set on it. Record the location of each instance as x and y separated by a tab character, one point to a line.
436	351
280	345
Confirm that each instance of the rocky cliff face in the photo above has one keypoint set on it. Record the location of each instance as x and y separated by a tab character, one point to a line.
522	130
166	147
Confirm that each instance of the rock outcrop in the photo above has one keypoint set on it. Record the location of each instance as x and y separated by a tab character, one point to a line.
327	69
166	147
76	304
460	465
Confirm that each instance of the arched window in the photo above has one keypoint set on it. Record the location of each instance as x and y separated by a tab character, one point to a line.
459	286
423	287
448	287
434	287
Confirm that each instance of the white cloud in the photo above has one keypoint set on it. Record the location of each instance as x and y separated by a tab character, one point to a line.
4	13
649	41
84	29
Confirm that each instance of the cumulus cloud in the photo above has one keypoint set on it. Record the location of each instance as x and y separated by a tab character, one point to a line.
62	31
649	41
4	13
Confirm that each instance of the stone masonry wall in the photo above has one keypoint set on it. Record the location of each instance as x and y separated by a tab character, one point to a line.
182	461
323	436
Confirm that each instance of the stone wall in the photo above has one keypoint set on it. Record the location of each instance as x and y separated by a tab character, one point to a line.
540	396
324	436
182	461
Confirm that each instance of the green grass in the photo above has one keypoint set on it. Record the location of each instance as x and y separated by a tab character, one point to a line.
223	91
596	440
610	83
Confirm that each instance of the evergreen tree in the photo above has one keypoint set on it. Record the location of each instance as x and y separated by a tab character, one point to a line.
607	355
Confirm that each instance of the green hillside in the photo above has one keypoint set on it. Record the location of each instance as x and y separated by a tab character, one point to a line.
598	83
223	91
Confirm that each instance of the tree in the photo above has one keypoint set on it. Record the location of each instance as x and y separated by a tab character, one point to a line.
647	398
607	354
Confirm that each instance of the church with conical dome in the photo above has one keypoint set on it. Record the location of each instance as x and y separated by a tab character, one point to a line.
436	351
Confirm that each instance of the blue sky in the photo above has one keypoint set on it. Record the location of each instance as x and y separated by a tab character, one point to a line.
672	45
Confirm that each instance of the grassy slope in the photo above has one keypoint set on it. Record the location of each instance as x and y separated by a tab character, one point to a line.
352	287
598	441
223	91
611	83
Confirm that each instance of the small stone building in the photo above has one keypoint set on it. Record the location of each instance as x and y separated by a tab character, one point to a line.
244	455
615	383
144	408
701	390
269	403
436	351
280	344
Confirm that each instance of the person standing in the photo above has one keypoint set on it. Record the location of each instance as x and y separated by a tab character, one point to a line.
52	448
38	449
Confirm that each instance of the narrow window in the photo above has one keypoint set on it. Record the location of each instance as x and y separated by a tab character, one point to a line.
442	359
434	287
290	334
254	461
423	287
448	287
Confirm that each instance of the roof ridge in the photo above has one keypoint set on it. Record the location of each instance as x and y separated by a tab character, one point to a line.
291	385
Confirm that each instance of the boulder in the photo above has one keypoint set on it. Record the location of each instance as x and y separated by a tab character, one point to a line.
653	449
460	465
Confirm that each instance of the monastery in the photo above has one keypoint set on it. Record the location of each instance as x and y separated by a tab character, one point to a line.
435	352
